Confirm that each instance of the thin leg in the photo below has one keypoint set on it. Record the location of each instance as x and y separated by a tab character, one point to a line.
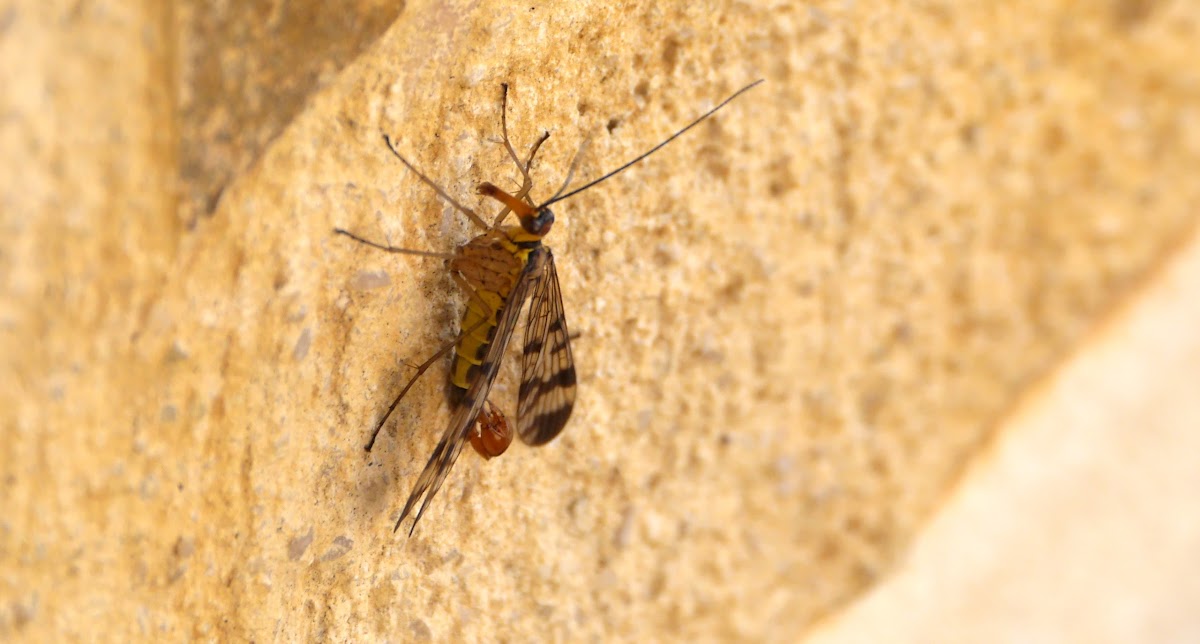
420	370
527	185
524	192
465	286
393	249
436	188
507	143
527	181
574	167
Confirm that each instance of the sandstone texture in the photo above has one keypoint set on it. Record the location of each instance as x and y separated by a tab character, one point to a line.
797	325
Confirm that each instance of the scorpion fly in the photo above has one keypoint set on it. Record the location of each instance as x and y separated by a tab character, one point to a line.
499	270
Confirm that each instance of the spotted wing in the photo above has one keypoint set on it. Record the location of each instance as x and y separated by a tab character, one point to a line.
467	411
547	392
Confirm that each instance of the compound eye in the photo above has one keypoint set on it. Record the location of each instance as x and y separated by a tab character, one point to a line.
540	223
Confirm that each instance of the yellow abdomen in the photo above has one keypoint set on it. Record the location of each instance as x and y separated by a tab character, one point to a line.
490	264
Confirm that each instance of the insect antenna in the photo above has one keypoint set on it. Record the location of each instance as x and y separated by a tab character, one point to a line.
571	171
560	197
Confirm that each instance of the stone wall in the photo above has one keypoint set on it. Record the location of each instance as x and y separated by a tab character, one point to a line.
795	325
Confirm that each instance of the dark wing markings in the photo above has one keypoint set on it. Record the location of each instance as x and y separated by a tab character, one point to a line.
467	412
547	392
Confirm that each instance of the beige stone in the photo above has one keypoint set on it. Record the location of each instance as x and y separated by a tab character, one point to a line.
1080	524
797	324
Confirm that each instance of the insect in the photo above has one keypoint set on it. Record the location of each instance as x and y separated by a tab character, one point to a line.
499	270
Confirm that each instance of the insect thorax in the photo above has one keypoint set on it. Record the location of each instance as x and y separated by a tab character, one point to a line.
492	262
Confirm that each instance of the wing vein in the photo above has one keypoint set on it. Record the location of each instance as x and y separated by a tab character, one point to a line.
547	392
467	412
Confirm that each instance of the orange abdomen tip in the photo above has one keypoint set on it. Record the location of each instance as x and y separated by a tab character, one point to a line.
493	436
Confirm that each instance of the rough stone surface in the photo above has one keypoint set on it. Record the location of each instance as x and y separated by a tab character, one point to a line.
1081	525
796	324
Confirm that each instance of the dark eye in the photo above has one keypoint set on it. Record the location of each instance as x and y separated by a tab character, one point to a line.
541	222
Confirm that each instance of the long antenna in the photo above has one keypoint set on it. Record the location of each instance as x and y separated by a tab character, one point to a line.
654	149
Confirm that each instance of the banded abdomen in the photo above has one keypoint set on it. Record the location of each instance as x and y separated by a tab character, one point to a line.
489	265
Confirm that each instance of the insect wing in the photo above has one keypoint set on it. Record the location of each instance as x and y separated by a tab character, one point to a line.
547	392
465	416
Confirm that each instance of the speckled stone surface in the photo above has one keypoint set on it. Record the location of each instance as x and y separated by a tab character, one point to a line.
796	325
1081	524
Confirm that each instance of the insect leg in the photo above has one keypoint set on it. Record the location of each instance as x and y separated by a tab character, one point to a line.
393	249
574	166
527	181
438	189
466	287
420	370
